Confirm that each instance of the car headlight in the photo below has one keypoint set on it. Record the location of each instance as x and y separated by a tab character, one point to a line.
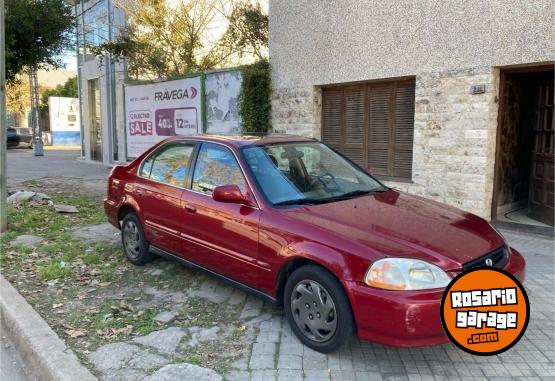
405	274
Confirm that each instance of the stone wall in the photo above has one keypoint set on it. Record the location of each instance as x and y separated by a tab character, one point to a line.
454	134
454	139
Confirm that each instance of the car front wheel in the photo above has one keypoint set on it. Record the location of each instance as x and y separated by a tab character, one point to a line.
318	309
135	245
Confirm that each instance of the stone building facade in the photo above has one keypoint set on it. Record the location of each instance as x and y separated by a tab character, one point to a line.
456	53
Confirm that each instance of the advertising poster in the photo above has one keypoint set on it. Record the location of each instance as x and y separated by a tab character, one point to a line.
157	111
64	120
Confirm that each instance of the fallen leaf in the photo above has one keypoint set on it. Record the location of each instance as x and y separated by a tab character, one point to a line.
104	284
74	333
126	306
54	306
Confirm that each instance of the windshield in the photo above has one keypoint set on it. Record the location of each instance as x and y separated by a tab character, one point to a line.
307	172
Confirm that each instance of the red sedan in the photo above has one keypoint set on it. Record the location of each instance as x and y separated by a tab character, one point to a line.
293	221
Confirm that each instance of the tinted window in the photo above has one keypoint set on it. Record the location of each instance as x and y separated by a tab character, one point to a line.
216	166
170	165
291	172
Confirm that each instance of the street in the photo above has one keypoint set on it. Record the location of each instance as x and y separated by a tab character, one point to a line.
11	366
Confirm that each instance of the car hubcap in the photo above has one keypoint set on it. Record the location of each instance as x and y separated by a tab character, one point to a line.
131	239
313	310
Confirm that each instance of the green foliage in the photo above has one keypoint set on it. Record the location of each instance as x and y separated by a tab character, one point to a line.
55	269
254	98
247	32
68	89
37	32
166	39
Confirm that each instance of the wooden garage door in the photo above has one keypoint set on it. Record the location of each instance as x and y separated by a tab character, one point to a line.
372	124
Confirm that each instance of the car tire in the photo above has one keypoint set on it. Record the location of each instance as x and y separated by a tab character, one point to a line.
133	239
318	309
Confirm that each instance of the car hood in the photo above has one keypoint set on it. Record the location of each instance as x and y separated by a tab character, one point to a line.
401	225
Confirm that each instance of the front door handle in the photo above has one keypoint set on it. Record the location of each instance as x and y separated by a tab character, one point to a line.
190	208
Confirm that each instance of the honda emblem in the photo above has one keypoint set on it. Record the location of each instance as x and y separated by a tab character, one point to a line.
489	262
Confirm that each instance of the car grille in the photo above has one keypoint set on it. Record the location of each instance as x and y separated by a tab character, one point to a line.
499	259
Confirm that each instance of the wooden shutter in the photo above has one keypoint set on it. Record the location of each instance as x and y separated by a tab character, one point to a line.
379	128
372	124
404	130
332	116
355	124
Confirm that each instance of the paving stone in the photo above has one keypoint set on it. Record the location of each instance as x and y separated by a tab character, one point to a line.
98	233
165	341
290	375
238	376
62	208
252	308
165	317
201	335
126	374
26	240
113	356
263	375
214	291
290	362
174	372
258	361
316	374
146	360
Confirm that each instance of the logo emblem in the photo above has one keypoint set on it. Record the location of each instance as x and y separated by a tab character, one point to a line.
489	262
485	311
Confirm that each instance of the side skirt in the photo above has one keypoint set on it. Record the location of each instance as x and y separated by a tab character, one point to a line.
163	253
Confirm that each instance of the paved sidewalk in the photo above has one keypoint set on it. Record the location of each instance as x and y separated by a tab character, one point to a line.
278	355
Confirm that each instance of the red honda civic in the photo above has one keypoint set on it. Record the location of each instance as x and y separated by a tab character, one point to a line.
293	221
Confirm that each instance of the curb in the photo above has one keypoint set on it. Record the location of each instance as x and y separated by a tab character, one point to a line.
46	356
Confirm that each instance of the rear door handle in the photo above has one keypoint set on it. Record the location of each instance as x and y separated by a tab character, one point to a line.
190	208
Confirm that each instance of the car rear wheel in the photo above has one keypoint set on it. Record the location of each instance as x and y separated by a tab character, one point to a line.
135	245
318	309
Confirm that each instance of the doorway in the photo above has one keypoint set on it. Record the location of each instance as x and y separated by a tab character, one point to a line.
95	125
524	172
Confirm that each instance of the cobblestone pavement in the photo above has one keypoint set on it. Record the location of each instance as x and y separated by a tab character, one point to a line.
278	355
274	353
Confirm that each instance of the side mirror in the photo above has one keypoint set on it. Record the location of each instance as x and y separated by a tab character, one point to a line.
230	194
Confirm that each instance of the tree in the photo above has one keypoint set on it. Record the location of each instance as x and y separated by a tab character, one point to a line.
166	39
247	33
37	32
68	90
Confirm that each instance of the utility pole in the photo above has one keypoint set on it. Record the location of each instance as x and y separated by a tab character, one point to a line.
3	140
35	116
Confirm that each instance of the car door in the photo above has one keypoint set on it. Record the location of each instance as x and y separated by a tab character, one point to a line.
220	236
164	175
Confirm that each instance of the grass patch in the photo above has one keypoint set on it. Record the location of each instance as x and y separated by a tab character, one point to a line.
56	269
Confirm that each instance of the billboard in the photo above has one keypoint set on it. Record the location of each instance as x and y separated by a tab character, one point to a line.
156	111
64	120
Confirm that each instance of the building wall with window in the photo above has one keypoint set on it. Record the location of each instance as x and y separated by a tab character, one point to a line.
100	82
409	89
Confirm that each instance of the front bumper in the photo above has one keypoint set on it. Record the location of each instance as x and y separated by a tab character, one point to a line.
407	318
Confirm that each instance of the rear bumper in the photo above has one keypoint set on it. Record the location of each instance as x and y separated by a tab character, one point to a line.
111	211
407	318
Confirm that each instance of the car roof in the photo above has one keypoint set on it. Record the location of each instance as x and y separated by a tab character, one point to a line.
246	140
